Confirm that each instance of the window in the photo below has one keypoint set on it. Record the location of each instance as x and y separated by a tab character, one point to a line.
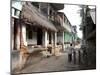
16	12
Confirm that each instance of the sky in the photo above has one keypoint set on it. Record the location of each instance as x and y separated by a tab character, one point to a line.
73	15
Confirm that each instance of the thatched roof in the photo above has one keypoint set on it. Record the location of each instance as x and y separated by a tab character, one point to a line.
32	15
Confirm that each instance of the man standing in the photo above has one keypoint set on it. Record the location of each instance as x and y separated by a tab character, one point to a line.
70	53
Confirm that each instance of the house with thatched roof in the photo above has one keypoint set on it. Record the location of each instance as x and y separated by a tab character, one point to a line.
34	26
40	24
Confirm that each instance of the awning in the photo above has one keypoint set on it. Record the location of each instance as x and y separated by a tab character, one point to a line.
32	15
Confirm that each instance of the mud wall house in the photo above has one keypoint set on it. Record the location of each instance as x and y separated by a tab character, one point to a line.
48	10
33	27
89	34
41	31
41	25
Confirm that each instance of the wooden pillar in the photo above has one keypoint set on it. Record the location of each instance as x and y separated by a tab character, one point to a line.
18	38
16	34
63	41
52	38
45	39
12	32
23	56
52	43
23	35
55	39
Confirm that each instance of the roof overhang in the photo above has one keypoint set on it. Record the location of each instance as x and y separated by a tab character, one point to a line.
32	15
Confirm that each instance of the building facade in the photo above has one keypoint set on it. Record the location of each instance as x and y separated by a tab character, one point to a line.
16	10
88	28
34	27
40	25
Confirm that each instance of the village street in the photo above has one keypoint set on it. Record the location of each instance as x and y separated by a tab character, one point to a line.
38	63
45	38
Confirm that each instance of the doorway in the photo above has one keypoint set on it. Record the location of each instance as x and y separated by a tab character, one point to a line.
49	37
39	36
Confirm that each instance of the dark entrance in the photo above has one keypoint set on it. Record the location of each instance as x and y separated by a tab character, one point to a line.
15	33
49	38
39	36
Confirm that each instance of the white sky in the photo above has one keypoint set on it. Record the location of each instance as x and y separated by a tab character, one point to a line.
72	13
